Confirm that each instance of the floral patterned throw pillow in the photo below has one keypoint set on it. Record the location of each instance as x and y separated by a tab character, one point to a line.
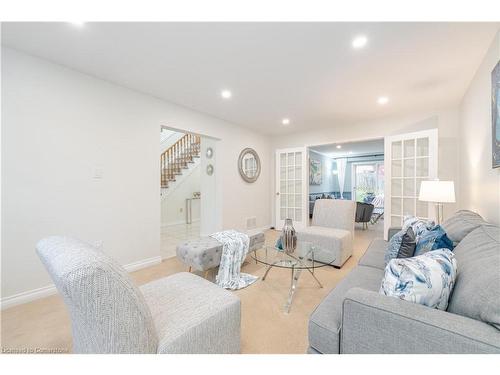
426	279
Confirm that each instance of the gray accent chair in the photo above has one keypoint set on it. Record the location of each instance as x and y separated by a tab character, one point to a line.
182	313
355	318
332	228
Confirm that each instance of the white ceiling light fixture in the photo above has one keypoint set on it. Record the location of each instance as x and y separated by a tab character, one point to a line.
339	147
359	42
226	94
382	100
285	121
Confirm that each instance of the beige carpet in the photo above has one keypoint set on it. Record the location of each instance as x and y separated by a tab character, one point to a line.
265	327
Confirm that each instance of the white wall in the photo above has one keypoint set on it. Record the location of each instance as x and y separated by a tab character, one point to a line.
173	200
479	182
59	126
446	120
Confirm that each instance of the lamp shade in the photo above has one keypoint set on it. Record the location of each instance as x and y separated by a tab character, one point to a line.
437	191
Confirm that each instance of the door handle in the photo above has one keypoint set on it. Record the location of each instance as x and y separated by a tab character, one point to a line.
278	193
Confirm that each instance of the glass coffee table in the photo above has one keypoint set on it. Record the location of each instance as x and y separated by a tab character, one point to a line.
302	258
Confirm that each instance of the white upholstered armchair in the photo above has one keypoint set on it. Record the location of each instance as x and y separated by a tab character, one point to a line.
182	313
332	228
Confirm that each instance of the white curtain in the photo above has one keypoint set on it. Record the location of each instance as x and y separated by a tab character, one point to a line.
341	165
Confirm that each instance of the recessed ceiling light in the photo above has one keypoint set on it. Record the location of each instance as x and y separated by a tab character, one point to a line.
226	94
77	23
382	100
359	41
339	146
285	121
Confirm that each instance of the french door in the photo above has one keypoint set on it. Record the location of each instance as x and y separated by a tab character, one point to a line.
291	188
409	159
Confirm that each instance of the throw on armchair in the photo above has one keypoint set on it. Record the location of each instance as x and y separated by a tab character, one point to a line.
182	313
332	228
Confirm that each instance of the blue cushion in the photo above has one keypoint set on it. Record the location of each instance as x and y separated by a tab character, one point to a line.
419	226
433	239
427	279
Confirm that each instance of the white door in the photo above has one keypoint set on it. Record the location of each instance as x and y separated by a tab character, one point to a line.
409	159
291	187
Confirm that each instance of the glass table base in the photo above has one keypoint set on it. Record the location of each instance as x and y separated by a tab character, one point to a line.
294	280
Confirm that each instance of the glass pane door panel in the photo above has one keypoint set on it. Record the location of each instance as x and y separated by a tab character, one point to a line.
298	215
291	173
408	206
282	213
409	148
409	168
422	146
298	187
283	186
396	187
298	200
396	206
396	150
396	168
409	187
422	167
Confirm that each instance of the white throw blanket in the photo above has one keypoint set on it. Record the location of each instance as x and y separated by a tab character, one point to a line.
234	251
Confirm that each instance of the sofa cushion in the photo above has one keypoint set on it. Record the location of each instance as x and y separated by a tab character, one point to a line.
374	255
325	321
461	224
477	288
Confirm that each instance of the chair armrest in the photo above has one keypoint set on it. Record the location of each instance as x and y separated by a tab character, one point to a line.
374	323
392	231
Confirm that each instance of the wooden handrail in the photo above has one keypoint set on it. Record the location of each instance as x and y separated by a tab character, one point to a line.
177	157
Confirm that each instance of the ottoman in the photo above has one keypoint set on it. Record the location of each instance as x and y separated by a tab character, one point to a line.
204	253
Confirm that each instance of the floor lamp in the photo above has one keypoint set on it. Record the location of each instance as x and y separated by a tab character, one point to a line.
438	192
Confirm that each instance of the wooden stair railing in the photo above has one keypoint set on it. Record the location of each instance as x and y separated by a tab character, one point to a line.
177	157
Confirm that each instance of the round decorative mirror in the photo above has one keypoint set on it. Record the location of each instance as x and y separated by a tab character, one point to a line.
209	153
249	165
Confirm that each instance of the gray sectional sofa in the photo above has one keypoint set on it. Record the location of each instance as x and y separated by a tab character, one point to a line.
355	318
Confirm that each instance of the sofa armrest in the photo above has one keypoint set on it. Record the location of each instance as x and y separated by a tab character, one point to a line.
392	231
374	323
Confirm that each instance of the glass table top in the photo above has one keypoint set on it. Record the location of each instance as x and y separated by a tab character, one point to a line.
305	256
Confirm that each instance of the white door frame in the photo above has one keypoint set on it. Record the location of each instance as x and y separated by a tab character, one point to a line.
432	134
305	187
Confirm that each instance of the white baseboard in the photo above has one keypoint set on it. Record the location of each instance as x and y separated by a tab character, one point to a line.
28	296
31	295
142	264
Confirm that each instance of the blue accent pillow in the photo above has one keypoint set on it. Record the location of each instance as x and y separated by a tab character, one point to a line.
433	239
427	279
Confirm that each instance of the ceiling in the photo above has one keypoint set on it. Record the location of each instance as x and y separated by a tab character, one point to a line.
371	147
307	72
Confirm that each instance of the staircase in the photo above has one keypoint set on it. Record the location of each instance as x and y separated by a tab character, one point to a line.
178	157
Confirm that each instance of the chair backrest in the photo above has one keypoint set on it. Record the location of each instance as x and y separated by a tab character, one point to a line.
108	312
364	212
334	213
